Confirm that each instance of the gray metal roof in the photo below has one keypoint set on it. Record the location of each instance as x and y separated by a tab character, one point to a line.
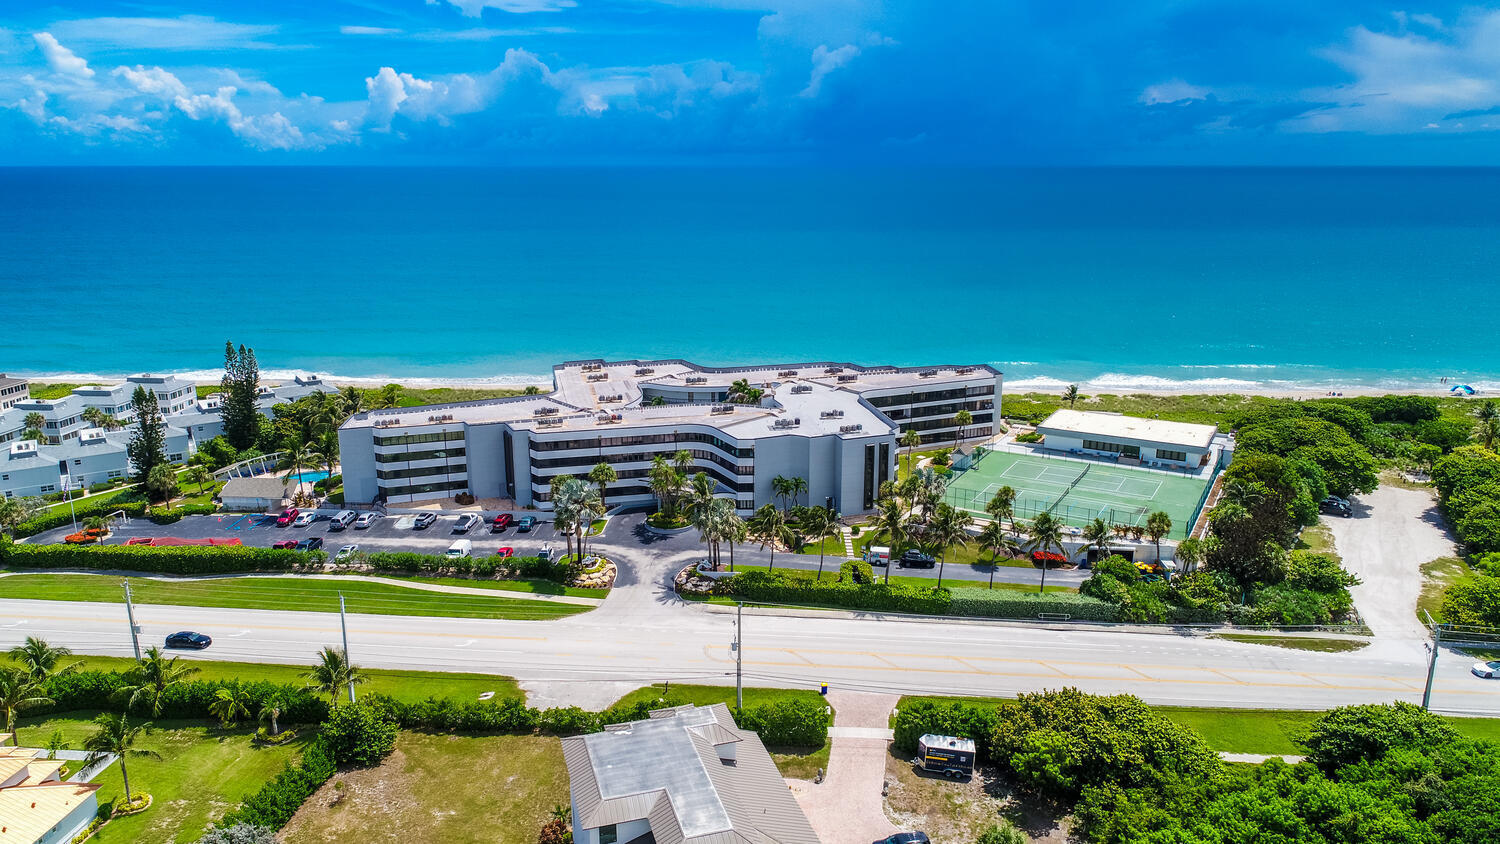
272	488
667	769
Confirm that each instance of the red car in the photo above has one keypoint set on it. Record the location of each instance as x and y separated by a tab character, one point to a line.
505	552
500	523
285	543
287	517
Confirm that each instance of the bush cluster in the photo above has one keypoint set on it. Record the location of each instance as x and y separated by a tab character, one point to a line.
133	504
787	723
184	559
1313	589
280	798
856	571
359	733
991	603
555	570
187	699
1468	485
779	588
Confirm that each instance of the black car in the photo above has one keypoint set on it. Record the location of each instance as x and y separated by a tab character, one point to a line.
311	543
1335	506
914	559
189	639
907	838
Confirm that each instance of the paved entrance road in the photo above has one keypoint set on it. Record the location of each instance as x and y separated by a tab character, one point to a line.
643	633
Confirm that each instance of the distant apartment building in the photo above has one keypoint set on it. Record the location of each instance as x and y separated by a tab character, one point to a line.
94	456
836	425
12	390
173	395
202	419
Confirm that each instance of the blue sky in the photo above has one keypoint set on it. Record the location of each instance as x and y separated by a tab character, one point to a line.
749	82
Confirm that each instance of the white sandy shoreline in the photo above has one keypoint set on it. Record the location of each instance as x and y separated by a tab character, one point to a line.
1110	384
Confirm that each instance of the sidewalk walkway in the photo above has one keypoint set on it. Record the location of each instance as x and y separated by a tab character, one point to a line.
848	807
1257	758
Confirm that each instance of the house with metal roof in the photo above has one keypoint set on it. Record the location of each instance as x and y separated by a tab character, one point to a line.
1131	439
686	775
36	805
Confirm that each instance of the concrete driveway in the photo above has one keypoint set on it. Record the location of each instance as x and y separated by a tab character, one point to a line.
848	807
1392	533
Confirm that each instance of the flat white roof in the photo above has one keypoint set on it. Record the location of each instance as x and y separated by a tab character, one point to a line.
1136	428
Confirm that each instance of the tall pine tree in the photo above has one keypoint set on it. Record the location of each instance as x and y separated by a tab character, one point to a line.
241	387
147	448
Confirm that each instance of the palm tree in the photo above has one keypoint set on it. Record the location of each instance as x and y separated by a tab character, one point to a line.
781	488
567	510
272	709
1070	394
93	415
1003	506
563	516
40	659
299	456
1096	535
96	523
820	524
333	674
603	475
353	400
768	527
18	691
709	520
682	461
699	494
911	439
664	481
328	446
116	738
962	419
947	530
150	678
35	423
1158	524
798	488
895	523
197	476
388	396
995	537
735	530
229	705
740	392
1046	536
1244	494
1489	431
587	508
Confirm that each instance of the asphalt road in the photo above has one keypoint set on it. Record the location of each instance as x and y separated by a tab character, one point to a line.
643	633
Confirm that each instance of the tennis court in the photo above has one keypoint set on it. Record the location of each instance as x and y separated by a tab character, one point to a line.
1077	492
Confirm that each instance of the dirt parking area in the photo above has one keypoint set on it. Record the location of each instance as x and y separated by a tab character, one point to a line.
1392	533
957	811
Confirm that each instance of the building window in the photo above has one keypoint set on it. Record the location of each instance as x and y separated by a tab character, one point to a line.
49	488
609	834
1164	454
77	462
1112	448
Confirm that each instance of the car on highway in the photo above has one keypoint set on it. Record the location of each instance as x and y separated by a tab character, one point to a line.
1487	670
500	523
465	523
189	639
914	559
287	516
906	838
424	521
366	520
310	543
304	519
285	544
1335	506
525	524
505	551
346	552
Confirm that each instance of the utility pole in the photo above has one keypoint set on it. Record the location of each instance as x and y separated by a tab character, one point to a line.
348	663
135	641
739	651
68	491
1437	641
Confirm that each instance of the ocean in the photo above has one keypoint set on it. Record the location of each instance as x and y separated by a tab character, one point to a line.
1119	279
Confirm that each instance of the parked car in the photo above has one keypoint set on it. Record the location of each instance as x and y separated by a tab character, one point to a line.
287	516
342	519
526	524
285	544
465	523
500	523
545	554
346	552
908	838
914	559
304	519
310	543
1335	506
366	520
1487	670
424	520
460	548
189	639
505	551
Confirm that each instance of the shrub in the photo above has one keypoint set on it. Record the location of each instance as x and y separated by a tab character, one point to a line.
188	699
1353	734
555	831
359	733
1474	601
965	720
1319	572
1029	437
1002	834
780	588
186	559
280	798
240	833
128	500
989	603
787	723
856	571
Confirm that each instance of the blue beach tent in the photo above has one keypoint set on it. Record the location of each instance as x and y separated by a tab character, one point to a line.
1467	390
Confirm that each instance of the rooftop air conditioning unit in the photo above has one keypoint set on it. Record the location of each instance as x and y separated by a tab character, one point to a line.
965	370
833	370
849	429
927	373
644	370
832	414
844	379
544	411
695	379
801	388
787	373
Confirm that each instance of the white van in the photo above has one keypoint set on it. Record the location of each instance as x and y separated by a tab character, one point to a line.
460	548
878	555
342	519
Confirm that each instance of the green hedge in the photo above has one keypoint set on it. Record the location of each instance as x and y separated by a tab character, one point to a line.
133	505
188	699
918	717
531	567
280	798
787	723
185	559
990	603
778	588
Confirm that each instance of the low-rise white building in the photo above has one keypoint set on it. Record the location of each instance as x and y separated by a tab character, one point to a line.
203	420
36	806
92	456
12	390
1151	442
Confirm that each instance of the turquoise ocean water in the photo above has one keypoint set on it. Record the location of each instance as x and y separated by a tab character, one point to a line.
1117	278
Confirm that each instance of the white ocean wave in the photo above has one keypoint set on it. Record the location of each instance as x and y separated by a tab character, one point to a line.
276	376
1120	381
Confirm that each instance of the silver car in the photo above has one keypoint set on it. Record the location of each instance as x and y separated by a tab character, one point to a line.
465	523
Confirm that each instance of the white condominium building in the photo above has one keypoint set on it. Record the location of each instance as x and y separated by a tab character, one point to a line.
836	425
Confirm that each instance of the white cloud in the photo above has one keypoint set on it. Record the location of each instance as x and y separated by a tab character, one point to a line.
60	58
368	30
188	32
152	80
824	62
474	8
1172	91
438	99
263	131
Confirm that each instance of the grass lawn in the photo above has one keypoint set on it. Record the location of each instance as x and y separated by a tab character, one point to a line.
1317	538
538	587
202	773
832	571
53	391
453	789
275	593
797	762
970	554
410	686
1437	576
1297	643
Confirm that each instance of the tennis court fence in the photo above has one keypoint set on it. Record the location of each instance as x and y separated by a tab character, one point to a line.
1076	515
